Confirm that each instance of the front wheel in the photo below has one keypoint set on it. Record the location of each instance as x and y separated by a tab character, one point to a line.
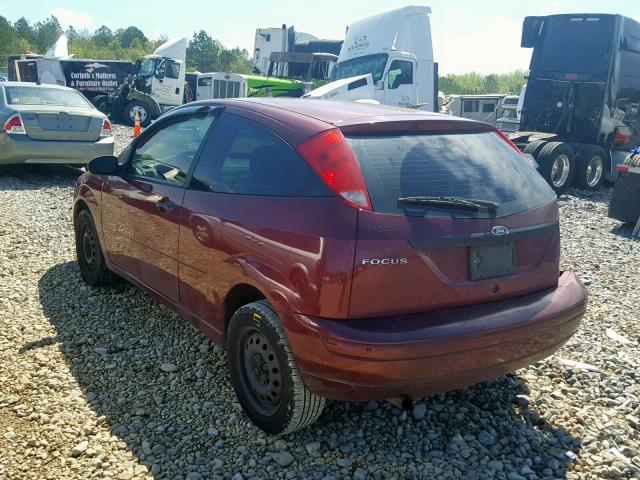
93	268
264	373
140	110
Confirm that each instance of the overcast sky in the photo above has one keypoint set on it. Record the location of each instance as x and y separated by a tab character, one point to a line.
471	35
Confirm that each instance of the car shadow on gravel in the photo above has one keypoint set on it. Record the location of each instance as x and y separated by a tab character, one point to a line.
34	177
123	347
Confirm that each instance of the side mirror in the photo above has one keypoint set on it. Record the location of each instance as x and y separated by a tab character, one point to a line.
531	31
105	165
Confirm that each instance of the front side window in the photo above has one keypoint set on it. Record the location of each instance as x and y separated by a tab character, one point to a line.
400	73
172	69
470	106
246	158
168	153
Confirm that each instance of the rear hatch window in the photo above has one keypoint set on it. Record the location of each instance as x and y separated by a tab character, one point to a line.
474	166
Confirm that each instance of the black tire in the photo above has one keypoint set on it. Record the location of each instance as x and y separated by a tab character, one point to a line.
534	148
591	163
101	102
142	108
549	158
93	268
264	373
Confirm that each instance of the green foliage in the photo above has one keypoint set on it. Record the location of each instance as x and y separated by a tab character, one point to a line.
204	53
476	84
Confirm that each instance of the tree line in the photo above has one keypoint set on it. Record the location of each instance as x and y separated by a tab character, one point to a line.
477	84
204	53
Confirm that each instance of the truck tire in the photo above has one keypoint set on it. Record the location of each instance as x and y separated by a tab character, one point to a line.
556	165
140	108
264	373
101	102
534	148
590	162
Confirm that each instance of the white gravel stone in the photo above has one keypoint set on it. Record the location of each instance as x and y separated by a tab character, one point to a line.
58	336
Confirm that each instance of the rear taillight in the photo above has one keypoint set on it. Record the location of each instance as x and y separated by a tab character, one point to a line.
622	168
14	125
106	129
622	136
509	142
333	160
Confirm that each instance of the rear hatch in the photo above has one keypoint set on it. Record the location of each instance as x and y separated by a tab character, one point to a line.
61	123
458	217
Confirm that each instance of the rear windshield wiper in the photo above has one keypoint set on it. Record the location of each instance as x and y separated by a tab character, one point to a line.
468	203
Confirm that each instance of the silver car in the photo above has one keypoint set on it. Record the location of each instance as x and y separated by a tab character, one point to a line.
50	124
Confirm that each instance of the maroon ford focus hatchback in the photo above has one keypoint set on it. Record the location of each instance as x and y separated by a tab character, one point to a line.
336	250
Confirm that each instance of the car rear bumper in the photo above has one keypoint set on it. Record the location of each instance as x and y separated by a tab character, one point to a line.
22	149
418	355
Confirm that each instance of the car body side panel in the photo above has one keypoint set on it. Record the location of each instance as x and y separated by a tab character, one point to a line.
301	260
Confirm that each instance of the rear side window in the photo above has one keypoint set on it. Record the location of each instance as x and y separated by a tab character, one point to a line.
478	166
246	158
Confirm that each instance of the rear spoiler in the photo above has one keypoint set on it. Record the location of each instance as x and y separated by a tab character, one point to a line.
409	126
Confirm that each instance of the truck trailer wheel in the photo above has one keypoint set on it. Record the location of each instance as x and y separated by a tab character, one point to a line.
137	108
534	148
556	165
591	161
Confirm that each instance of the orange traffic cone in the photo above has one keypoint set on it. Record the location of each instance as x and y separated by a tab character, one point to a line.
136	126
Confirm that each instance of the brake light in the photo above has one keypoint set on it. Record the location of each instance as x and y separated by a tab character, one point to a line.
622	168
509	142
106	128
622	136
329	154
14	125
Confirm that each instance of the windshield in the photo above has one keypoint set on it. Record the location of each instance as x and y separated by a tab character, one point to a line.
478	167
575	45
27	95
148	68
373	64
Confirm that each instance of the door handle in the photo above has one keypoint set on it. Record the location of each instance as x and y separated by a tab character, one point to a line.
165	205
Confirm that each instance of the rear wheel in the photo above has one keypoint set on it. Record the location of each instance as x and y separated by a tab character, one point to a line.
534	148
93	268
590	166
140	109
556	165
264	373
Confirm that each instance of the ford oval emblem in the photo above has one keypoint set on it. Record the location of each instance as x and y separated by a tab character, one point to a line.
500	231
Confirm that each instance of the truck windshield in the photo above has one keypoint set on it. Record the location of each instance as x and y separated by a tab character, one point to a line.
580	44
148	68
373	64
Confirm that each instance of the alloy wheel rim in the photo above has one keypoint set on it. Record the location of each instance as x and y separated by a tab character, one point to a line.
261	372
560	170
594	170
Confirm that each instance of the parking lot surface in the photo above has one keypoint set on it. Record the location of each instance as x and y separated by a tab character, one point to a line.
107	383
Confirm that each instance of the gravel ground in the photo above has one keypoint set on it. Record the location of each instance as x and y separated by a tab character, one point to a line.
106	383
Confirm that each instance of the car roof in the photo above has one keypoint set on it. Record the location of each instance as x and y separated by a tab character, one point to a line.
337	113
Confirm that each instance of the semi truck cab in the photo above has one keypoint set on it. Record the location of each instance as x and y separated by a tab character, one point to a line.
388	58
